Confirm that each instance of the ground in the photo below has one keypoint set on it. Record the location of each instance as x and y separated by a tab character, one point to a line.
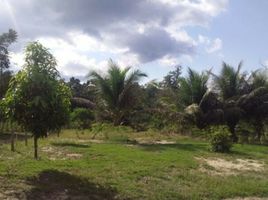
121	164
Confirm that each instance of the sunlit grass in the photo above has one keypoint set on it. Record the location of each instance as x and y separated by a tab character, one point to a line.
124	169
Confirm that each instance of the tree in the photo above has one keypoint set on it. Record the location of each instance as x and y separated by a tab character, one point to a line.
193	87
6	39
230	85
230	82
172	79
255	103
37	99
81	118
116	89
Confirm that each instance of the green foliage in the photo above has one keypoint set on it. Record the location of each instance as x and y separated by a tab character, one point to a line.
220	139
193	87
6	39
37	99
172	80
116	89
230	82
81	118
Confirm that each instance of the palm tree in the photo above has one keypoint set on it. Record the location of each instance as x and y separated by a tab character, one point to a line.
255	103
230	85
116	89
193	87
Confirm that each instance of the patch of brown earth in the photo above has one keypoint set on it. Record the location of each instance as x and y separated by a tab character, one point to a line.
219	166
248	198
58	154
155	142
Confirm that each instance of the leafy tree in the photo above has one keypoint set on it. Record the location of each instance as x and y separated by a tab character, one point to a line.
6	39
171	80
193	87
116	89
37	99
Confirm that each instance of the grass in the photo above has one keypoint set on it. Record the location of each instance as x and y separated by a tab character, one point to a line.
115	166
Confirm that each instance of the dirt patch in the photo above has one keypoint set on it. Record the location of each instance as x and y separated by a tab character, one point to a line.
219	166
96	141
248	198
59	154
155	142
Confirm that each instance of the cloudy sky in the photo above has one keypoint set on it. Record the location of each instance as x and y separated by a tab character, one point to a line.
153	35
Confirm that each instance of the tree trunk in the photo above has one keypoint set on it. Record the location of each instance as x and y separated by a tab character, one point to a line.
35	147
12	141
233	134
259	128
26	138
117	118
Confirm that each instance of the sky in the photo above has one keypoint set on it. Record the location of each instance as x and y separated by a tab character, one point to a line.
151	35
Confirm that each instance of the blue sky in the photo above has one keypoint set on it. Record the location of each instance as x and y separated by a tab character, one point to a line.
152	35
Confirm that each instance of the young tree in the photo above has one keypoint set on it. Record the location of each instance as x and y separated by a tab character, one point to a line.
116	89
37	99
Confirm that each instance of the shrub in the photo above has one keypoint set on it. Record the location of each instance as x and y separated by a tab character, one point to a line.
81	118
220	139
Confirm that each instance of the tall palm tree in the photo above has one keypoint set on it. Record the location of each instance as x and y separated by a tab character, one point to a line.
193	87
255	103
117	89
230	82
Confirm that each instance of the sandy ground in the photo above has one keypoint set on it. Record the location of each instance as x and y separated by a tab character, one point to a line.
219	166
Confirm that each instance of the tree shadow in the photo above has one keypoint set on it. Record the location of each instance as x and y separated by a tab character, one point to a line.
184	147
69	144
56	185
5	137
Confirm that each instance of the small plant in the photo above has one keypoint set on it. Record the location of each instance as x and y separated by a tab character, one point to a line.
220	139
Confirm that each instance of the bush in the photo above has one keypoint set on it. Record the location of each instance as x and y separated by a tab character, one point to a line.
220	140
81	118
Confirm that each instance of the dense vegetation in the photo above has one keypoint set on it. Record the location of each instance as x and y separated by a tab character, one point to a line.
224	109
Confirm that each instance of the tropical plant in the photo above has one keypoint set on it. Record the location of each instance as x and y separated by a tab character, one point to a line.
220	139
229	83
37	99
116	89
256	108
81	118
193	87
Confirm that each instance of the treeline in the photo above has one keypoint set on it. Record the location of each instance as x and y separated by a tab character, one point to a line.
177	104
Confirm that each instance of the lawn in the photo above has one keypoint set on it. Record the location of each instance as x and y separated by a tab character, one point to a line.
129	165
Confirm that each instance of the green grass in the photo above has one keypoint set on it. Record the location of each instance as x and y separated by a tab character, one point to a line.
119	168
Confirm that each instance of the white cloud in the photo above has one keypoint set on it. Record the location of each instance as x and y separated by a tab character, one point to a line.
215	46
210	46
87	33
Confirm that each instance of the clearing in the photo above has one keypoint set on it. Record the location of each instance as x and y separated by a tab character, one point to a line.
129	165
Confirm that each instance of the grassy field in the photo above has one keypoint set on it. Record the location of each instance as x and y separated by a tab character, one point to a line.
128	165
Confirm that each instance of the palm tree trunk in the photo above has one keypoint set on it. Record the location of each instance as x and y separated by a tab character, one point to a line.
233	134
117	118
